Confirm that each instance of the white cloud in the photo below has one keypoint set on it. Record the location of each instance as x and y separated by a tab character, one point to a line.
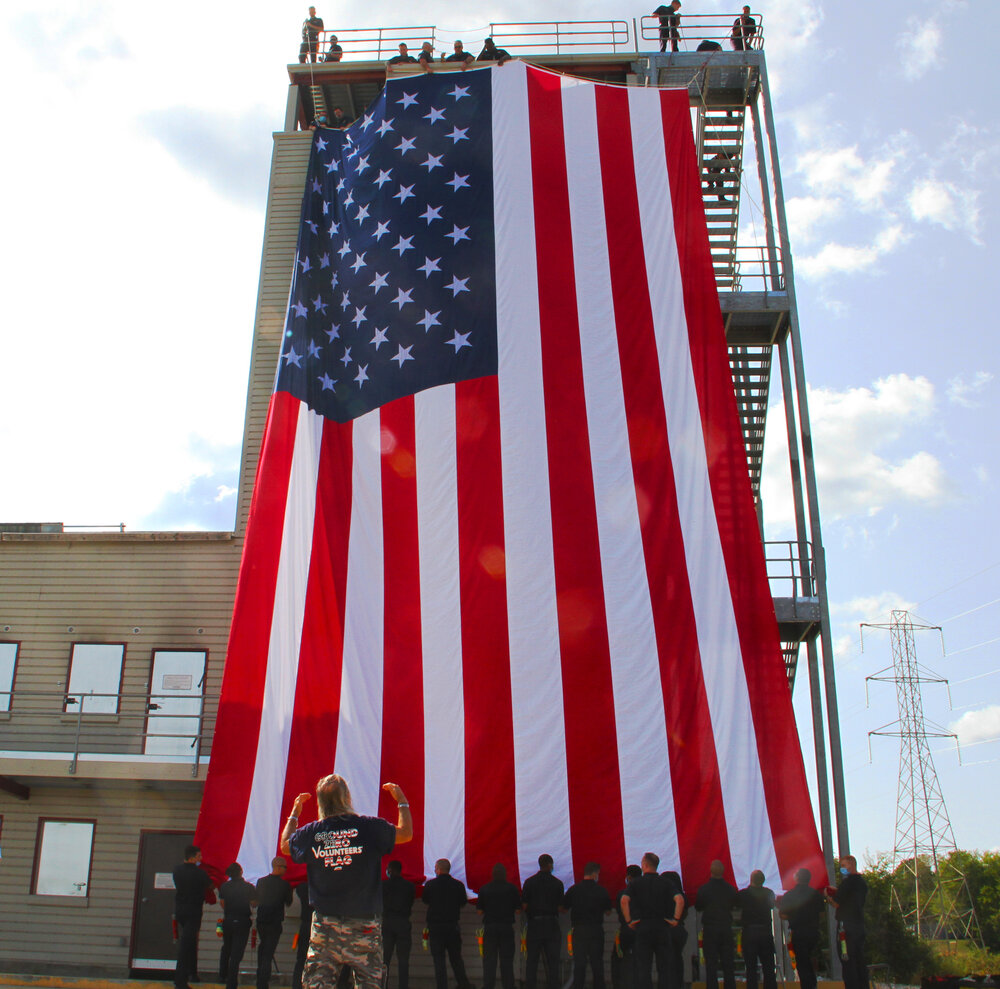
920	46
963	392
853	431
978	726
870	607
945	204
844	170
804	213
835	258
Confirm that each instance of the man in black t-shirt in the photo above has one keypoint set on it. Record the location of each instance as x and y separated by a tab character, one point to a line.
404	57
397	902
499	903
273	895
588	902
716	901
192	890
652	906
491	53
541	897
622	963
445	897
850	900
343	853
461	55
756	903
802	906
744	29
311	28
237	897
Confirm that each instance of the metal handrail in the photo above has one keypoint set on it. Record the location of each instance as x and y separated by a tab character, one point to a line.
556	37
789	563
758	270
58	721
376	44
695	28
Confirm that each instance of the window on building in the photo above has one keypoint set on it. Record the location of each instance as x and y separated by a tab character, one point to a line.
8	667
63	852
95	677
176	686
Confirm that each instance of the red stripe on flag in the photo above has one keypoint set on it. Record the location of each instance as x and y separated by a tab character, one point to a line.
223	812
697	791
490	819
785	790
402	677
588	694
321	650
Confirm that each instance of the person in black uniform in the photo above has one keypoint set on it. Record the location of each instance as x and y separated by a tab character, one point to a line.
716	901
311	28
849	898
802	906
744	28
445	897
588	902
541	897
461	55
670	23
678	932
622	967
404	56
192	890
273	894
397	902
499	903
491	53
756	903
652	906
237	897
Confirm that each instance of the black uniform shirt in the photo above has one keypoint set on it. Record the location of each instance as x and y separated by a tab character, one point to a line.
499	900
236	895
650	898
445	897
715	902
274	893
588	901
542	894
756	904
190	885
850	900
402	59
803	906
397	897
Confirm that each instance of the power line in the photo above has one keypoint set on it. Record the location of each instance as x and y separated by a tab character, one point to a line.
964	580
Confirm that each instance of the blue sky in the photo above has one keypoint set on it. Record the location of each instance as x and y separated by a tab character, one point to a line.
133	210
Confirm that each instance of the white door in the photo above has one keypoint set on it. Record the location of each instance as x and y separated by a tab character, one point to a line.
175	698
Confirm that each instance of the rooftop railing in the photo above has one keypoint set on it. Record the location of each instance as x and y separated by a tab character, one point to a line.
758	270
152	727
528	38
789	568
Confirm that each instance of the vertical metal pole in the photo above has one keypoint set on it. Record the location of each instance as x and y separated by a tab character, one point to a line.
765	197
829	677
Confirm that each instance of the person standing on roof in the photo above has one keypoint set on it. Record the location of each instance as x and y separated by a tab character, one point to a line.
670	25
744	29
311	28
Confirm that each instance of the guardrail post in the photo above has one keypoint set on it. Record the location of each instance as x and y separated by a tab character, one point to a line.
76	744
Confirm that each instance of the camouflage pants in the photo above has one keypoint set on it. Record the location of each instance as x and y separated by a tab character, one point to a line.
338	941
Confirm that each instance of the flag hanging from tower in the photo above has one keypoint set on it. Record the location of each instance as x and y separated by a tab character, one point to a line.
502	547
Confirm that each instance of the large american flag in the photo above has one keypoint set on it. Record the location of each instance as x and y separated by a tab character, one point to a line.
502	548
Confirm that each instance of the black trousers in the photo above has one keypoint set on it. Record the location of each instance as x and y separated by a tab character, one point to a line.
653	942
718	944
544	941
268	936
758	946
188	927
852	958
678	938
623	965
588	949
804	945
396	940
446	944
235	932
498	946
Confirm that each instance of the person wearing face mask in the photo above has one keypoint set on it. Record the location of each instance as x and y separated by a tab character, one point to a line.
849	899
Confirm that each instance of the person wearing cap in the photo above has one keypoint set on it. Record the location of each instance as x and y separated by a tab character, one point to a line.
334	53
491	53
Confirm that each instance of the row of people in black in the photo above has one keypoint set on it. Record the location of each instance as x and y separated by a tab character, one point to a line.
651	910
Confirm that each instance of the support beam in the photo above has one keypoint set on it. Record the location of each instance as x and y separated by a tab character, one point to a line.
15	789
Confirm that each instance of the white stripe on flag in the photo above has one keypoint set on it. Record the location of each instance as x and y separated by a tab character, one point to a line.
541	789
441	629
260	833
750	841
359	733
643	754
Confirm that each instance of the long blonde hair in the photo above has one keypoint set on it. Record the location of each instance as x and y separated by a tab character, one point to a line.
333	796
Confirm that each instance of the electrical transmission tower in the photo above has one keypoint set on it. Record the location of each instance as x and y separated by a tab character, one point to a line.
941	906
